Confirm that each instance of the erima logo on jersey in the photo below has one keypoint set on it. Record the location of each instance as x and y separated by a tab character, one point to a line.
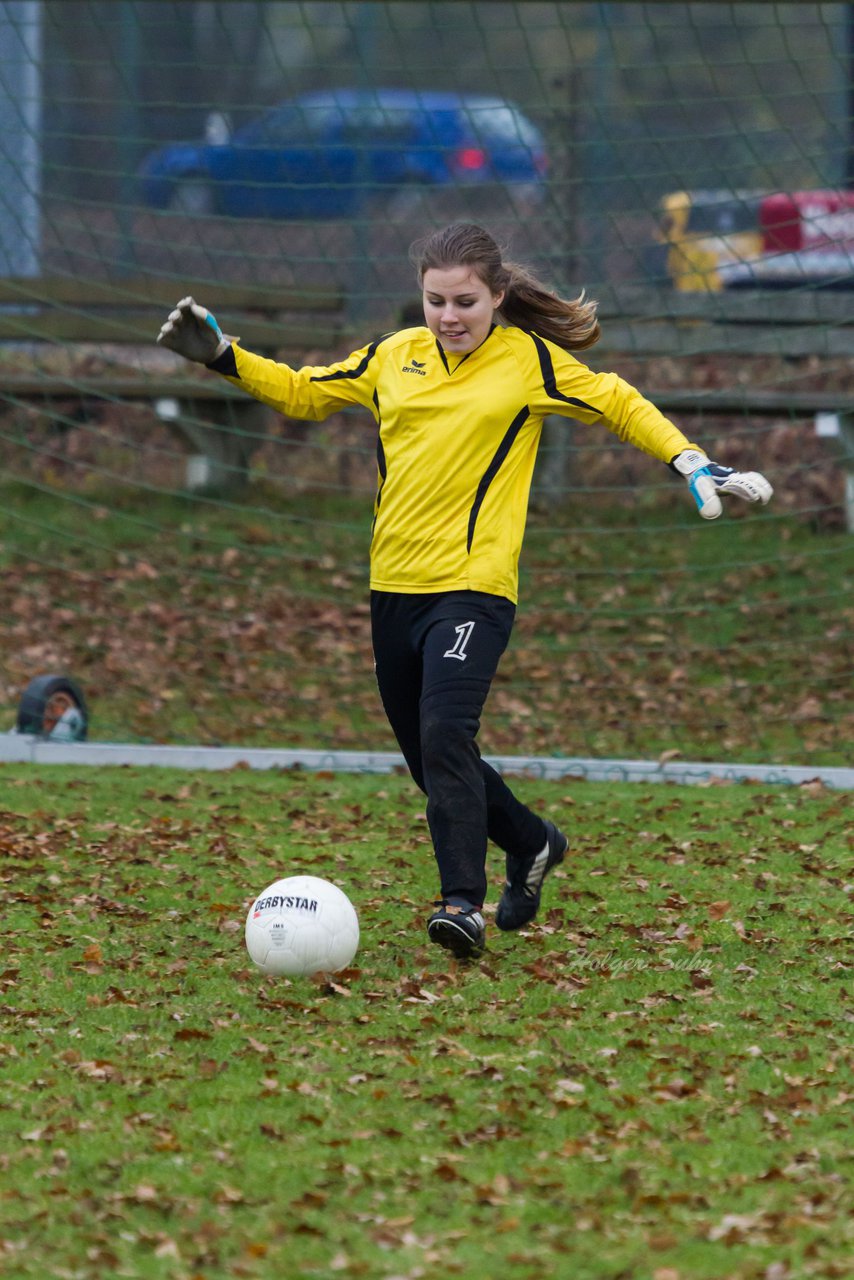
415	367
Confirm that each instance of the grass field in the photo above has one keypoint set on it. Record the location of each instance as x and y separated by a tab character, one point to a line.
641	629
653	1082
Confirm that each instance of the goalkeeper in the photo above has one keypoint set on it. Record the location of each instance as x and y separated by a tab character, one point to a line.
459	404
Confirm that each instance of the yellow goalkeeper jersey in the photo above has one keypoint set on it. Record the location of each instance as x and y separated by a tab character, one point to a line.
458	438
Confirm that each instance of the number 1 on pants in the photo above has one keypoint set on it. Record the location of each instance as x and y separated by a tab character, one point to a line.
458	648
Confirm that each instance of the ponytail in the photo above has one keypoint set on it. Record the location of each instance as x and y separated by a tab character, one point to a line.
528	303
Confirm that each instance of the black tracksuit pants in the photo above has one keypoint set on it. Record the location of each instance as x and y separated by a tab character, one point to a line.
436	655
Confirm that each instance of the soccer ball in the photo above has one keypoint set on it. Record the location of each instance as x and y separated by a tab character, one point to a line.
302	925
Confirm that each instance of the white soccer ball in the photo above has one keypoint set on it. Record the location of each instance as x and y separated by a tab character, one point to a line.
300	926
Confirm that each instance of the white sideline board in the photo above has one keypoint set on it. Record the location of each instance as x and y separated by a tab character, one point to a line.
23	748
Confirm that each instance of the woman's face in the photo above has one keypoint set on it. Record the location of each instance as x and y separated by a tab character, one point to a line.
458	307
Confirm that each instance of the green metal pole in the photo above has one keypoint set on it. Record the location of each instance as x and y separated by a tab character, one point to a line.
129	131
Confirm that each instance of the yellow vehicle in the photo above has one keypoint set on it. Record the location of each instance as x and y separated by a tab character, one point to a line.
703	236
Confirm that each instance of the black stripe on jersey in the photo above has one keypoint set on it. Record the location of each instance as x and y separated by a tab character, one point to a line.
441	351
381	468
550	382
492	470
350	373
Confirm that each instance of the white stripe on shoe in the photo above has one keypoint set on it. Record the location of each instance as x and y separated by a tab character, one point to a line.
537	873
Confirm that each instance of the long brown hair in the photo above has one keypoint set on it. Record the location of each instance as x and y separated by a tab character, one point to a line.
528	303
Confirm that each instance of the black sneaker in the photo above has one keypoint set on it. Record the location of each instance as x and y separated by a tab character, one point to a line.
458	927
520	900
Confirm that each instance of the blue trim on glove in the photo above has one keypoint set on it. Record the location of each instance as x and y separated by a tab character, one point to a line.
701	471
211	320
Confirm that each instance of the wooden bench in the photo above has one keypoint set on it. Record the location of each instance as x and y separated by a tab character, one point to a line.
792	324
220	424
799	326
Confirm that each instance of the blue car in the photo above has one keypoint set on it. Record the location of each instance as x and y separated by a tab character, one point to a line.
332	153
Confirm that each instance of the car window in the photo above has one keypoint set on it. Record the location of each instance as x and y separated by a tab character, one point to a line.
722	217
374	123
294	125
502	123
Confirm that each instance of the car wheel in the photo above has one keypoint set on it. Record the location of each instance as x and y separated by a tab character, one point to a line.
53	707
192	196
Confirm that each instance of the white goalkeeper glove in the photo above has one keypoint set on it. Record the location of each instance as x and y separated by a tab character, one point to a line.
707	479
193	332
